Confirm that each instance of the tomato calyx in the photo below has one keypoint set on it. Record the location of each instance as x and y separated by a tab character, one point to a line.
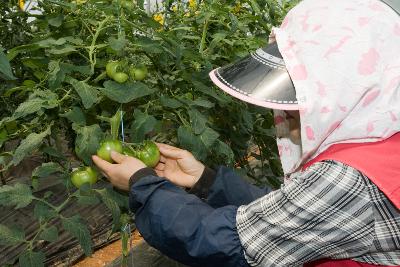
147	152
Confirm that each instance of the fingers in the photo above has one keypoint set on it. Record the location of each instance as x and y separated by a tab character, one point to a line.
172	152
164	145
159	167
117	157
103	165
163	159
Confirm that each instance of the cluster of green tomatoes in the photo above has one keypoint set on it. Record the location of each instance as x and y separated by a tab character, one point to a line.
146	151
116	71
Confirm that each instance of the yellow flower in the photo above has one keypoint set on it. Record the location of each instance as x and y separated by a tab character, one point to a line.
159	18
21	4
237	8
174	8
192	4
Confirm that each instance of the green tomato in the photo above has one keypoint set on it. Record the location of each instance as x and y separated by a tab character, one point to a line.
106	147
127	151
83	175
149	153
120	77
112	68
138	74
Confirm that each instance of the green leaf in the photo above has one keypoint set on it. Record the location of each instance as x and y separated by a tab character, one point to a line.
3	136
5	68
43	211
56	74
28	145
197	120
51	151
50	42
119	198
46	169
49	234
149	45
87	199
210	91
115	122
87	141
117	44
13	52
56	21
191	142
73	40
75	115
208	137
87	93
125	93
112	206
11	236
203	103
142	125
79	230
82	69
31	259
19	195
37	100
28	107
223	149
64	50
170	102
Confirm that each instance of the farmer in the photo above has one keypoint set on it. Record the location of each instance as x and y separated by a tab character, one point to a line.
332	77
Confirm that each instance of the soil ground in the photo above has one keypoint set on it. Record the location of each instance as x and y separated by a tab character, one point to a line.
107	254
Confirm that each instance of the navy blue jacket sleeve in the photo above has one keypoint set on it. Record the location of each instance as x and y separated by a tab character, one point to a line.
183	227
231	189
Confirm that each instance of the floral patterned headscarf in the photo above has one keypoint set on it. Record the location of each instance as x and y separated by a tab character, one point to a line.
344	60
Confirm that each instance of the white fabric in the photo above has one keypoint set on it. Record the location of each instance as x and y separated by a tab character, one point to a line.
344	59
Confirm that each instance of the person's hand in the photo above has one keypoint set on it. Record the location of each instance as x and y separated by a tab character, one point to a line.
120	172
178	166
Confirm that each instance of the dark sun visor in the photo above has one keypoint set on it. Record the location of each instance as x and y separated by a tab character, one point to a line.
260	79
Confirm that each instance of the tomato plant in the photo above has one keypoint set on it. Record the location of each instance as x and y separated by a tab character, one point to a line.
59	95
106	147
83	175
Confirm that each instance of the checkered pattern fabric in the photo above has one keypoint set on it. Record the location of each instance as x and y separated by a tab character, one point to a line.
329	210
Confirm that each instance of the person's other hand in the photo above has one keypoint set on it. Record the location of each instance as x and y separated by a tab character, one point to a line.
120	172
178	166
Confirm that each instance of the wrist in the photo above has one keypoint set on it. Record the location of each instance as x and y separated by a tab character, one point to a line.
146	171
202	186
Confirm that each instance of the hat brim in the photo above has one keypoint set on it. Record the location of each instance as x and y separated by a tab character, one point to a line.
260	79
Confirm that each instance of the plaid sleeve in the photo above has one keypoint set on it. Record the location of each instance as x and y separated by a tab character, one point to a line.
323	212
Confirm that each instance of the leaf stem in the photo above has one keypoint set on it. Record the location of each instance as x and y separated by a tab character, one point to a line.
92	48
46	203
65	96
204	35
